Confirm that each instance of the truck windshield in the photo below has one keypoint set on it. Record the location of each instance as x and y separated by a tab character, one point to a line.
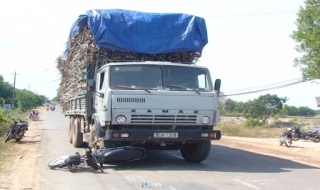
164	77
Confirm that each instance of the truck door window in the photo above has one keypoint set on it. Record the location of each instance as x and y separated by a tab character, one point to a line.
101	82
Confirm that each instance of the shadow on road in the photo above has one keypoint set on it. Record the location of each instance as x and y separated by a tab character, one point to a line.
221	159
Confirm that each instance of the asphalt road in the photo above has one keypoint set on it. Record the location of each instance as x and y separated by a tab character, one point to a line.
225	168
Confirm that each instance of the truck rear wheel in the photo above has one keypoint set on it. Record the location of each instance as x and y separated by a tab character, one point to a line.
70	132
92	135
196	152
77	140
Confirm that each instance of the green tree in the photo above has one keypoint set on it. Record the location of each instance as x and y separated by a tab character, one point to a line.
28	100
240	107
260	109
5	90
307	36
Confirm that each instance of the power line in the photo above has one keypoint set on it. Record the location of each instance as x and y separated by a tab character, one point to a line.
267	86
255	14
270	88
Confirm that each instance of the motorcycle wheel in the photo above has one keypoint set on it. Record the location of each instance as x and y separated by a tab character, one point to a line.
8	135
295	137
288	142
316	138
58	162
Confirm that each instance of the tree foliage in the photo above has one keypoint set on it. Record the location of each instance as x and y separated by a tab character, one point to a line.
307	36
5	90
262	108
28	100
257	111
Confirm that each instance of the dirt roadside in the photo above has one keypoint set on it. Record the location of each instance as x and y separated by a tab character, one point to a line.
302	151
23	171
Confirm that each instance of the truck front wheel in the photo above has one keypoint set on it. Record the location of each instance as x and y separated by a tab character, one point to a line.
196	152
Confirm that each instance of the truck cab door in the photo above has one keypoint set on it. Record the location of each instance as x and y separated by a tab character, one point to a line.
100	95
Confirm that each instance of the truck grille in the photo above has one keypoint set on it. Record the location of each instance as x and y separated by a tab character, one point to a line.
132	100
167	119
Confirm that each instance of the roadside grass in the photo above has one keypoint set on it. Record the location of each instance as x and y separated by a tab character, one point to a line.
232	127
8	150
241	130
7	153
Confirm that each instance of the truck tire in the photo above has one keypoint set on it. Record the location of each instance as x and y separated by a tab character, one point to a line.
92	135
77	140
70	132
196	152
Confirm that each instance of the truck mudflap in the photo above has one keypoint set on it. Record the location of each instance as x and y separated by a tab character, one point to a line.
163	135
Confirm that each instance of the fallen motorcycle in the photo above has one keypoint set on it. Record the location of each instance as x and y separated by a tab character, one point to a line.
101	156
16	130
73	161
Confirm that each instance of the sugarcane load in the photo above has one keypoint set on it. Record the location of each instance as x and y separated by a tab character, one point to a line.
130	78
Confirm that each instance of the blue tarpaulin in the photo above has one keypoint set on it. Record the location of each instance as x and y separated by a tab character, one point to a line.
142	32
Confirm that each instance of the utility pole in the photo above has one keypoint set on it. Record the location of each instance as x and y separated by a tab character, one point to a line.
14	90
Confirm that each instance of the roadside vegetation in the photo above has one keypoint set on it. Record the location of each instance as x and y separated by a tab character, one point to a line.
8	149
22	102
236	126
266	116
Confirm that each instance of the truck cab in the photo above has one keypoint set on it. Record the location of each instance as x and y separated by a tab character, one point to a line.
154	105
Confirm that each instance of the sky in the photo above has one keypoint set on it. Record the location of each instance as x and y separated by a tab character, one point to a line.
249	42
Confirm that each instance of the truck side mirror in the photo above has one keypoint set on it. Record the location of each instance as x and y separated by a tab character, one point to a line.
91	83
217	85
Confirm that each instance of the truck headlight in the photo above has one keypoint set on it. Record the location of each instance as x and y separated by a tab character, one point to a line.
121	119
205	120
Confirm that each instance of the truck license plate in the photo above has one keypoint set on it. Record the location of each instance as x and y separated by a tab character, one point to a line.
165	135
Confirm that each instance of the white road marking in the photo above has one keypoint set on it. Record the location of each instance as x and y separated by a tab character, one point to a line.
130	179
157	184
176	156
245	183
139	177
172	188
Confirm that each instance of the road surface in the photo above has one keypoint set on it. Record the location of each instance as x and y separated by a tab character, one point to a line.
225	168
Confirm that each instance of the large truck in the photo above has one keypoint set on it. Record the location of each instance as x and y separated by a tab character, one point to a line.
130	79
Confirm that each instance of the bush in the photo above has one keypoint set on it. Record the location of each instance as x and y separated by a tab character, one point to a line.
252	122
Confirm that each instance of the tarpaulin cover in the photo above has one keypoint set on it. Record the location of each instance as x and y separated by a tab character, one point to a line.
141	32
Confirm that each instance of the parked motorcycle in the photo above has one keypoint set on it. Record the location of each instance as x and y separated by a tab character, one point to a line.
296	133
92	158
16	130
34	117
285	138
313	135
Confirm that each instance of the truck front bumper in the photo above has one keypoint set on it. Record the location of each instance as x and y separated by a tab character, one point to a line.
155	135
